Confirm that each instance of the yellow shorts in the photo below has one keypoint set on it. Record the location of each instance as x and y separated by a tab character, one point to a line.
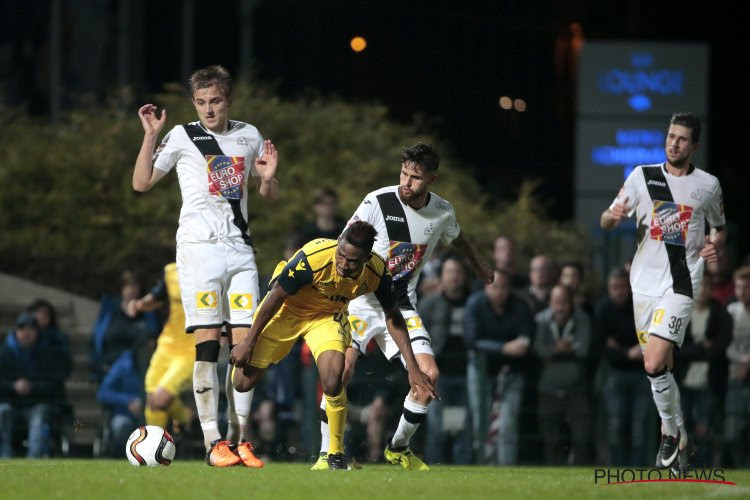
329	333
169	371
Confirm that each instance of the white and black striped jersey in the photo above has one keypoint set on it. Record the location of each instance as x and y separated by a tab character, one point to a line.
406	237
671	213
213	170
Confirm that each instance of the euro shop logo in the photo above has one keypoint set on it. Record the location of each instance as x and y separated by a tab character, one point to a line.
608	476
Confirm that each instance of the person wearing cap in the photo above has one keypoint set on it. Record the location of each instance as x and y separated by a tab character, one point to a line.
32	378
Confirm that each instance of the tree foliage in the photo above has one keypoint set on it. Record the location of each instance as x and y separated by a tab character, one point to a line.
71	218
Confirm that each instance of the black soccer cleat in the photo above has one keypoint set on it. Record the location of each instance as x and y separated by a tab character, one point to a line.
668	451
337	461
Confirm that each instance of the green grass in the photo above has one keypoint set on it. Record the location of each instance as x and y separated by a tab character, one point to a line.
84	479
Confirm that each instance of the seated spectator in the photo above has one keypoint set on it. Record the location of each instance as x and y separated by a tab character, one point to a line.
32	377
443	316
702	371
737	425
122	393
562	342
499	325
117	330
46	318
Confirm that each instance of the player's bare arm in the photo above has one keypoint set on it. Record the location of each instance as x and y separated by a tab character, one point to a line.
396	325
465	248
266	168
144	173
243	351
611	218
714	244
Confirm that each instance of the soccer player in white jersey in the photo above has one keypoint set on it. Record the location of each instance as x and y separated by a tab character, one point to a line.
218	277
672	202
410	221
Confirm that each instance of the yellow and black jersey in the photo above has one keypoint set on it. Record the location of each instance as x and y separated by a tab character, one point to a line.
173	336
316	288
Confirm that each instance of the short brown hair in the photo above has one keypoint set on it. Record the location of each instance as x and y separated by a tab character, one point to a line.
211	75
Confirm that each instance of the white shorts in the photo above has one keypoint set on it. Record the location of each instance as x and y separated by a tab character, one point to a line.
666	317
368	323
218	284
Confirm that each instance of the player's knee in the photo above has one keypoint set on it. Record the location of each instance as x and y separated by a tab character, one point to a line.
378	409
159	400
654	368
332	384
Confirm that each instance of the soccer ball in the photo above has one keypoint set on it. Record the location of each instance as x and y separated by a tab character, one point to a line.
150	445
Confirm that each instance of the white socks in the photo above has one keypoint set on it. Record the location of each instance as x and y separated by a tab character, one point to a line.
414	414
206	392
325	432
238	410
666	396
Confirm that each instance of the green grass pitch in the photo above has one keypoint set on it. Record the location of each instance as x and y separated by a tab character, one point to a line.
84	479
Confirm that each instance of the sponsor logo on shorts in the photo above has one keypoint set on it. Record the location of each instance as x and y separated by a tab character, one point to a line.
413	323
358	325
241	301
206	303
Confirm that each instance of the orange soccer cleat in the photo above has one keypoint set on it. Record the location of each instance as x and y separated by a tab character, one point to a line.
221	456
246	452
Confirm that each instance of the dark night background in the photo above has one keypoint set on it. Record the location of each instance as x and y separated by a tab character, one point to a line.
446	61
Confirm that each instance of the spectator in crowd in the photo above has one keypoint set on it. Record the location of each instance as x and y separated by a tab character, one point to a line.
562	341
571	276
327	223
32	377
627	392
122	393
443	316
737	408
499	325
542	277
721	273
504	255
116	329
702	370
45	315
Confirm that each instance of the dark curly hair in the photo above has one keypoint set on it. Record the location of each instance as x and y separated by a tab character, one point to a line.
360	234
423	155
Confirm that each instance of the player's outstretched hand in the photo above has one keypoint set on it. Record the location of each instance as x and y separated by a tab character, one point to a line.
241	354
420	383
266	164
709	252
620	210
152	124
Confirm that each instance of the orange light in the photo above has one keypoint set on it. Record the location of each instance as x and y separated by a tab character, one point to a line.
505	102
358	44
519	105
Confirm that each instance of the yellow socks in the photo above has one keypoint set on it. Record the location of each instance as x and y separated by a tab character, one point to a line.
336	413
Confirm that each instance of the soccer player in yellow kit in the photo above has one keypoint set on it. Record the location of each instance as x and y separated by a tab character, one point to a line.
170	371
308	298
